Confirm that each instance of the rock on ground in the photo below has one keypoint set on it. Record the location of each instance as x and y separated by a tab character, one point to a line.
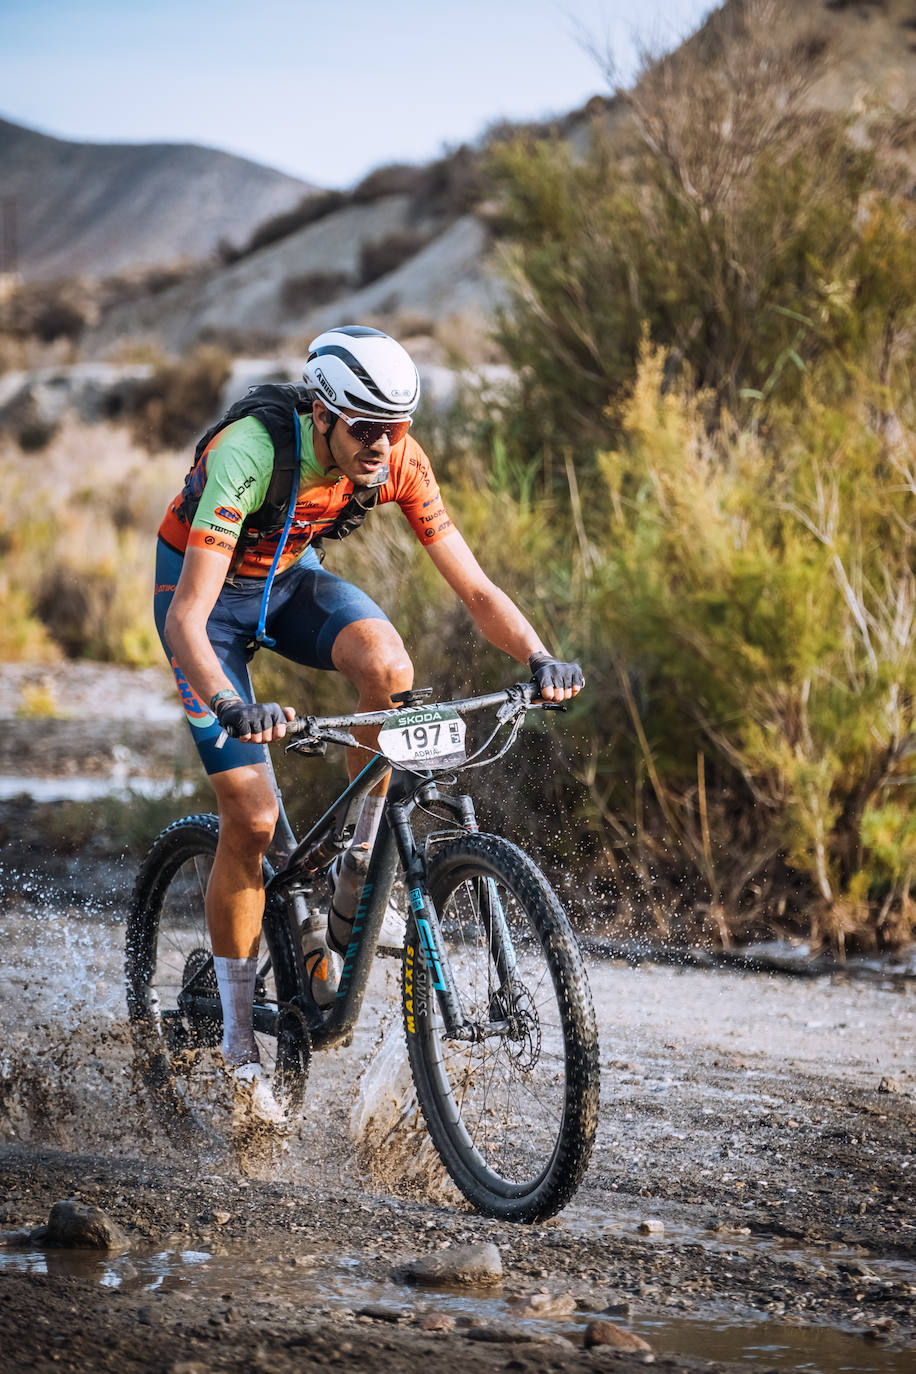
75	1225
465	1265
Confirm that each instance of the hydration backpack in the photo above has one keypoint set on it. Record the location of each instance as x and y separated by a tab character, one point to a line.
273	403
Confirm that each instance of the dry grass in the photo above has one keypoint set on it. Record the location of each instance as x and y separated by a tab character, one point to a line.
78	535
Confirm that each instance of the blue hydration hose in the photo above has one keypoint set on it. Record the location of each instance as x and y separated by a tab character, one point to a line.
262	637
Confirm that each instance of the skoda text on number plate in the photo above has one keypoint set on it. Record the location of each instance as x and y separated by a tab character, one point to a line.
434	736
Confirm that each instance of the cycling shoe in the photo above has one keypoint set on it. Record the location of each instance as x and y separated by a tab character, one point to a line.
253	1096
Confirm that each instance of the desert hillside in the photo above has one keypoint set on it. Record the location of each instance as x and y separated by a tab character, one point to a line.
96	208
410	246
869	46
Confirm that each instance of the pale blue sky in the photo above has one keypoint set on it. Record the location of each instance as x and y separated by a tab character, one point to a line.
326	90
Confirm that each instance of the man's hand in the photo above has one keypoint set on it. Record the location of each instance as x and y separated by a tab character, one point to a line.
252	720
555	681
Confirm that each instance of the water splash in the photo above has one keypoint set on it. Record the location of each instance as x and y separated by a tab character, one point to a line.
387	1128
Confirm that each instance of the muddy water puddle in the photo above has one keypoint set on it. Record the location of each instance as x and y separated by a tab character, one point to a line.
774	1345
90	789
338	1290
819	1257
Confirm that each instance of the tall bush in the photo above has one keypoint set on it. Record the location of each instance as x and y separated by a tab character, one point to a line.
758	620
753	235
712	316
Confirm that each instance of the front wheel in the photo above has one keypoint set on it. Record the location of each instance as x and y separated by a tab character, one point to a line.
513	1108
168	959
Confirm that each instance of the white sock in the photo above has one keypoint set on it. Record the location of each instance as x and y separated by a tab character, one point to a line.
235	979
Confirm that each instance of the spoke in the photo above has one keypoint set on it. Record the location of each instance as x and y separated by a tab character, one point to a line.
550	1109
202	868
482	1110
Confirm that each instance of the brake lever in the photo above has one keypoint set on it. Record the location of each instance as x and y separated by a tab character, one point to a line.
517	702
309	745
315	744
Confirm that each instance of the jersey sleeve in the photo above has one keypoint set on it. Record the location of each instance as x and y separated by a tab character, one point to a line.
238	466
418	495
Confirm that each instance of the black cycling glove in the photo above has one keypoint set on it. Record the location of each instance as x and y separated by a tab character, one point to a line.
547	671
240	718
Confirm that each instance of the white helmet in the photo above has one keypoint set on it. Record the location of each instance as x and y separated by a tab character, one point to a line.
356	368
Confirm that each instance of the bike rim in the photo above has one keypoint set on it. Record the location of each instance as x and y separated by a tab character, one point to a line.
502	1099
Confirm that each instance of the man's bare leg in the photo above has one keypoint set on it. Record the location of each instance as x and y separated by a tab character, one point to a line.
371	654
235	893
235	899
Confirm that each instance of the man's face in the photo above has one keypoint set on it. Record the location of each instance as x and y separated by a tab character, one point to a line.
361	464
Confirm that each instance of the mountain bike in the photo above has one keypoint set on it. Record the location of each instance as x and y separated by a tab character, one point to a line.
499	1023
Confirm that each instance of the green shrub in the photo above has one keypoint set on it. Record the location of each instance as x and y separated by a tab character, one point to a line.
752	237
757	620
711	318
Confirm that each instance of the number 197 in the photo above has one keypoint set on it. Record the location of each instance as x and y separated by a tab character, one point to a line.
418	736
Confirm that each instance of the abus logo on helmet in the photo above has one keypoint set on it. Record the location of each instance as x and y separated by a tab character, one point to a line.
325	385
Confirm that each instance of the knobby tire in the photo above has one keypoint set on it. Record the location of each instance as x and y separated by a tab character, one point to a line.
513	1116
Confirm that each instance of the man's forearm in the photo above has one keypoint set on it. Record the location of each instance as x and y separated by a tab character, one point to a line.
501	622
194	655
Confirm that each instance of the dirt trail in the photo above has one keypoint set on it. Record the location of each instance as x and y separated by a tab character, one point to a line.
765	1123
745	1114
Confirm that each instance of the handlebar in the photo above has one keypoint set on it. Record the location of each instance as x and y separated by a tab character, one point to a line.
521	696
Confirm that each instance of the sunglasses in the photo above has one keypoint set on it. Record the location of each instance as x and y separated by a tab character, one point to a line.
367	431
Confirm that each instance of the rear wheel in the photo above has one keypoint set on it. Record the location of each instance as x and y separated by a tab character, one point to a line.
169	960
513	1109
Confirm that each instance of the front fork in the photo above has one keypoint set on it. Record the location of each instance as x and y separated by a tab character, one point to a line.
457	1026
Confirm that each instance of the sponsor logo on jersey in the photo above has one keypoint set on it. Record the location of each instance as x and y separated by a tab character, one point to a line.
218	541
228	513
243	487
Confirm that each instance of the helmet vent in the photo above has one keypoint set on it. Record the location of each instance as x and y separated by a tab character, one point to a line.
355	367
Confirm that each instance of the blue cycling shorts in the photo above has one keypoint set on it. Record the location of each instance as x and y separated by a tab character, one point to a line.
308	609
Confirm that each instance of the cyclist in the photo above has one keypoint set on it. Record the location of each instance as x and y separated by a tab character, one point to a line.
228	579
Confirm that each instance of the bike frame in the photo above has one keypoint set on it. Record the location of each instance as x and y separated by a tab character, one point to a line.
394	844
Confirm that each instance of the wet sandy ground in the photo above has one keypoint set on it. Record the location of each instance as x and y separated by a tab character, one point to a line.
765	1122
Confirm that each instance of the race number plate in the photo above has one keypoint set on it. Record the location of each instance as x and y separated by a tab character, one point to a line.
434	737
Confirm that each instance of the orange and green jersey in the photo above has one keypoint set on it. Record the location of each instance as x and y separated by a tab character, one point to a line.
232	477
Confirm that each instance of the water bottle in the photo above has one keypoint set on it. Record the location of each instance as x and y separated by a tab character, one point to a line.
321	963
